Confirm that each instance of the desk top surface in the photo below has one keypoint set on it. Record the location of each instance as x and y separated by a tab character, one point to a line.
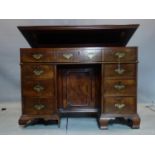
78	36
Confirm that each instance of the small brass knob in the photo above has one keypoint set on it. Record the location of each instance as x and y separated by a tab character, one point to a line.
38	88
39	106
119	86
37	56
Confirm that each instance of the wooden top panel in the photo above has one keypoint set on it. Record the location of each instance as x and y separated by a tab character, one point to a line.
78	36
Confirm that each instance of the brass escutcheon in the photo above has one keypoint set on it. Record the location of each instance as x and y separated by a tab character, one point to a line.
38	88
119	105
120	54
119	86
120	71
37	56
68	56
38	72
91	55
39	106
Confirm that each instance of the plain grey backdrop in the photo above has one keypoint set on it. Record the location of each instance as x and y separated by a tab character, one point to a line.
11	41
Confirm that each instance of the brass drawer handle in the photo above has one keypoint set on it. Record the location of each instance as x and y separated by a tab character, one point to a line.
120	71
91	55
119	86
38	72
39	106
37	56
38	88
119	105
68	56
120	55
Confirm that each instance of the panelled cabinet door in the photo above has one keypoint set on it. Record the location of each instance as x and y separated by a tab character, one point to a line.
79	88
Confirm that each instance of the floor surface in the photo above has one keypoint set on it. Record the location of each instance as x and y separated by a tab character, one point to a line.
72	126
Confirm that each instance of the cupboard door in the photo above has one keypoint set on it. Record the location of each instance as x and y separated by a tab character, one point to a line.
79	87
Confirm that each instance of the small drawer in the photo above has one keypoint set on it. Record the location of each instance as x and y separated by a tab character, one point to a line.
119	105
67	55
119	87
37	55
38	106
90	55
118	70
119	54
33	87
37	71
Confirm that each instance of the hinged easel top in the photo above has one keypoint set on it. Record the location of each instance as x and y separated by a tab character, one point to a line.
78	36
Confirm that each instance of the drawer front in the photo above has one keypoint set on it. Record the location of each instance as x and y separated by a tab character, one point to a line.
37	55
37	71
120	70
67	55
119	87
120	54
90	55
44	88
38	106
120	105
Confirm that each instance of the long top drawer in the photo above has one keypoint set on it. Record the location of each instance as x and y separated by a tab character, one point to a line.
79	55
